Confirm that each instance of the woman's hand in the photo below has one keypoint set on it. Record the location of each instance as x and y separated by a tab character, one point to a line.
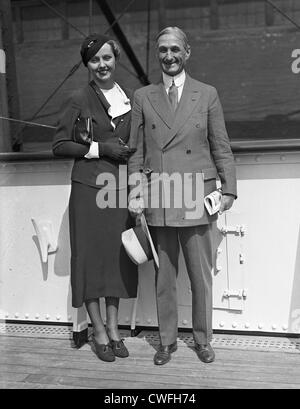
115	151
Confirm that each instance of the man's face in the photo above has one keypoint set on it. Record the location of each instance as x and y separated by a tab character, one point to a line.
172	55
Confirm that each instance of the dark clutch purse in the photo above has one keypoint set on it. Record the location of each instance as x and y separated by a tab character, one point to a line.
83	131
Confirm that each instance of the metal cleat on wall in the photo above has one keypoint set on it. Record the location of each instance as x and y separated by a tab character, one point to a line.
240	293
45	234
239	230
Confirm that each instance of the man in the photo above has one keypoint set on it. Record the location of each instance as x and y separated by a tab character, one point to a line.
178	128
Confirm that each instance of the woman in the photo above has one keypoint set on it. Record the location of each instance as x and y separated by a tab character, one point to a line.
99	265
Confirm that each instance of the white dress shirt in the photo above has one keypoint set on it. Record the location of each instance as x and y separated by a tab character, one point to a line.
178	80
118	101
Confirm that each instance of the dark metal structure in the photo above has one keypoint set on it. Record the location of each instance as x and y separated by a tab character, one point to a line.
108	13
11	73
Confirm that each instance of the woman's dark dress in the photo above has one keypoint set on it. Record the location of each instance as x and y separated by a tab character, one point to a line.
99	265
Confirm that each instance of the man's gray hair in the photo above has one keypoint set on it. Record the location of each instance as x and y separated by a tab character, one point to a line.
177	32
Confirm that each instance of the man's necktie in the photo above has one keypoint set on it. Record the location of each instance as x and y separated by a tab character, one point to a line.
173	95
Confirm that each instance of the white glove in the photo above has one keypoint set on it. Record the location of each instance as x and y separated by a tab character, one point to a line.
136	206
93	152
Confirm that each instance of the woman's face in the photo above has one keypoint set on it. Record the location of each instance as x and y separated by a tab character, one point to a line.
102	66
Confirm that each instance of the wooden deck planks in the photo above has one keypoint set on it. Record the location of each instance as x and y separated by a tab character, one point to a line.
53	363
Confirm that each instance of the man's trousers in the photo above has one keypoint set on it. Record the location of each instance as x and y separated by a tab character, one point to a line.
197	247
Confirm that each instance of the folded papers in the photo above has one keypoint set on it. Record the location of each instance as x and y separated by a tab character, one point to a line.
212	202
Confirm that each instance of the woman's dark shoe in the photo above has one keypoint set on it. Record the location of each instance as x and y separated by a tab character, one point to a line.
119	348
104	351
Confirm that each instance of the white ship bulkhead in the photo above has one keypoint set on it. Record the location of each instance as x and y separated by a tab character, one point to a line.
256	277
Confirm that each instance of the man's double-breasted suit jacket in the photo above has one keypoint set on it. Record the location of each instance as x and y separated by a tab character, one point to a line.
192	140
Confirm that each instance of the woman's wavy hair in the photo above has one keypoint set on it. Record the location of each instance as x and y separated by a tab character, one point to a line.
116	49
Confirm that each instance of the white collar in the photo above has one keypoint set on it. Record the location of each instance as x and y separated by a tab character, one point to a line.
118	101
178	79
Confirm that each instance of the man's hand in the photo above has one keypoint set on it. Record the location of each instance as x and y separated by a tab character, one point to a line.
136	206
226	203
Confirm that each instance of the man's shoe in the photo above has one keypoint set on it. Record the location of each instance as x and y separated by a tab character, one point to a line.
163	355
205	353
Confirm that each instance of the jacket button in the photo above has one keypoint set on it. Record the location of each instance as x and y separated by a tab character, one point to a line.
153	126
188	151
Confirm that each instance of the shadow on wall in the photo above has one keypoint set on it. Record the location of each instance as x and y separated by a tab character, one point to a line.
294	315
218	238
43	265
63	256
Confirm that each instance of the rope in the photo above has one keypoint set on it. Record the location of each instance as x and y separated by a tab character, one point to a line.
26	122
61	16
77	29
71	72
283	13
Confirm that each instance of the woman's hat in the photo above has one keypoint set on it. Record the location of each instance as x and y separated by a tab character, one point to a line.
91	45
138	243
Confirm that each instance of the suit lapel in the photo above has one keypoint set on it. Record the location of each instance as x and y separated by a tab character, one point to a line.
123	120
96	94
189	100
160	103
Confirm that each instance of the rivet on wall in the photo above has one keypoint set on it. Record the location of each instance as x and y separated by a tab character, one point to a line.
58	317
149	320
6	315
127	319
47	316
234	325
69	318
285	327
17	315
274	326
221	324
37	315
26	315
260	325
184	322
247	325
137	320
